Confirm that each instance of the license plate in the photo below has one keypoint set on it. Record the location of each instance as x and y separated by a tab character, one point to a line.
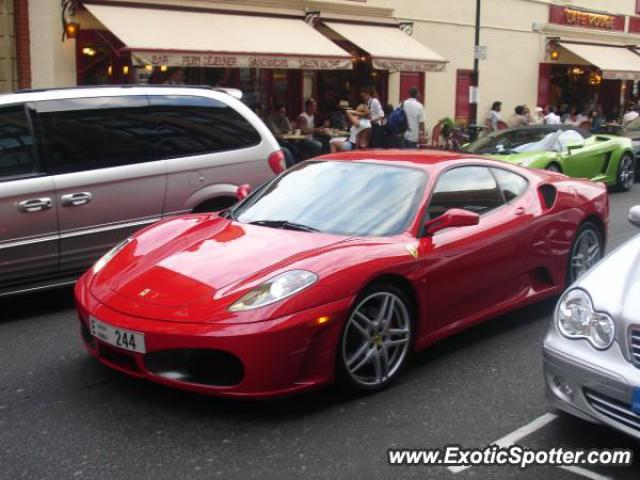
635	405
118	337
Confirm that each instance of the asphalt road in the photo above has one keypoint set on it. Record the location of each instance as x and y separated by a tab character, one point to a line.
62	415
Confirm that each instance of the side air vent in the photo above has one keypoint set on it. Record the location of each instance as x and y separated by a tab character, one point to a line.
548	194
607	161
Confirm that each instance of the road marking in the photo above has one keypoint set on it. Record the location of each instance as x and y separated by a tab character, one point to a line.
513	437
585	473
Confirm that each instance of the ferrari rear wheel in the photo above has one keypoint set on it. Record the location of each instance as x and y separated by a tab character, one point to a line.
376	339
586	251
553	167
626	172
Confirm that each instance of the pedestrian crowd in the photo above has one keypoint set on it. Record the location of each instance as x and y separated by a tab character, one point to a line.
345	128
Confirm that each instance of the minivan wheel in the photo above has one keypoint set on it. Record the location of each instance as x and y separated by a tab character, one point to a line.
376	339
586	251
626	172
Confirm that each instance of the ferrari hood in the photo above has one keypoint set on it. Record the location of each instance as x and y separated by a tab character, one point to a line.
194	267
614	284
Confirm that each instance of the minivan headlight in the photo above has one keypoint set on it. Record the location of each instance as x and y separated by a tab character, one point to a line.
275	289
576	319
106	258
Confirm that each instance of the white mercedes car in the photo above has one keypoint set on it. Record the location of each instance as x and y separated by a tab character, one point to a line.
592	350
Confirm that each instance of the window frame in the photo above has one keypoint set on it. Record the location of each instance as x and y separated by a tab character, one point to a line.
40	167
425	216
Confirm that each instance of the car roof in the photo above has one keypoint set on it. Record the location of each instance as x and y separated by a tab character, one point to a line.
34	95
425	159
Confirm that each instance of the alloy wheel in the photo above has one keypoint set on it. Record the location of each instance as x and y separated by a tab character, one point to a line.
586	252
376	339
626	172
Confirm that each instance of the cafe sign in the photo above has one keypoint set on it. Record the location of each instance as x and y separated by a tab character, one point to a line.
226	60
585	19
398	65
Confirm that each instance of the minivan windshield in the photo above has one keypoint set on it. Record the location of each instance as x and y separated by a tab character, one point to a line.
338	197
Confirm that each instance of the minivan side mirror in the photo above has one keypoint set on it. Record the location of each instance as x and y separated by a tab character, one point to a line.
634	215
455	217
243	191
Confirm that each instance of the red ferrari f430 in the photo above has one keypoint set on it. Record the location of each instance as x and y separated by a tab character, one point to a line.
337	269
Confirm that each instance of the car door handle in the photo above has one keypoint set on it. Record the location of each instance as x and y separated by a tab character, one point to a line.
76	199
520	211
35	205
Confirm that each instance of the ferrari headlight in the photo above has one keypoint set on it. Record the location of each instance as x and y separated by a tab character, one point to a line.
275	289
106	258
576	319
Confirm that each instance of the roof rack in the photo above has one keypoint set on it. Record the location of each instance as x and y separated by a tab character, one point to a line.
234	92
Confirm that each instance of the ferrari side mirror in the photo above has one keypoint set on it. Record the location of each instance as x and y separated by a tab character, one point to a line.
634	215
243	191
455	217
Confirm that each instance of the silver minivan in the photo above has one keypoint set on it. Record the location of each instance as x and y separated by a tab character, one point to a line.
82	168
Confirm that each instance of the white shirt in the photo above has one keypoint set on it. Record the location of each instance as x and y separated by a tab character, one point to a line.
494	117
356	129
630	117
307	121
552	119
377	113
414	111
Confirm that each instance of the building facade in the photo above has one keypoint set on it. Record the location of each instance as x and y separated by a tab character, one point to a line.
578	53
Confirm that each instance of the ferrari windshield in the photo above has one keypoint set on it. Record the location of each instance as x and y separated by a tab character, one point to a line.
515	141
343	198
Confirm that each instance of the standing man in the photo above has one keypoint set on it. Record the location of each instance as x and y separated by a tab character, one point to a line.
493	118
370	97
306	123
414	111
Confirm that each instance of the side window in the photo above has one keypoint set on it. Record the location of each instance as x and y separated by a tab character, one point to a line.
469	188
511	184
82	134
17	153
569	137
191	125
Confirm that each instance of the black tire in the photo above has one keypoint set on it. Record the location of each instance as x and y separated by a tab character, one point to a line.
625	176
553	167
590	229
215	205
352	340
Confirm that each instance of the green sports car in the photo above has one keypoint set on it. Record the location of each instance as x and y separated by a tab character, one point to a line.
563	148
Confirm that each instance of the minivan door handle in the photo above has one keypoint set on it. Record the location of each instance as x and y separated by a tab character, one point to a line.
76	199
35	205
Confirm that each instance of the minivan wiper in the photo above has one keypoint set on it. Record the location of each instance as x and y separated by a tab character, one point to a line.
284	224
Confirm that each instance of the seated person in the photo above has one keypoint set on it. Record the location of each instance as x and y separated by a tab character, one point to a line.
309	147
280	125
359	119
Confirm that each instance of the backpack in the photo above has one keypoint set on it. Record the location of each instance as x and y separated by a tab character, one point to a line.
397	120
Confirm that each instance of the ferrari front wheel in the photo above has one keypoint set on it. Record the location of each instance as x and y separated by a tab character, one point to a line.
586	251
376	339
626	173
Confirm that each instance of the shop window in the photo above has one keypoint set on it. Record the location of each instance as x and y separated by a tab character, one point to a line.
16	143
190	125
91	133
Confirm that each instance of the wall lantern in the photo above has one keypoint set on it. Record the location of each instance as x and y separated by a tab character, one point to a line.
553	50
70	27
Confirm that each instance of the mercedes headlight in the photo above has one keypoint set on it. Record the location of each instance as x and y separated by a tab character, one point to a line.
275	289
576	318
106	258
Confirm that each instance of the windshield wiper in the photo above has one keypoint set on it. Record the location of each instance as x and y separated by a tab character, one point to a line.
285	224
